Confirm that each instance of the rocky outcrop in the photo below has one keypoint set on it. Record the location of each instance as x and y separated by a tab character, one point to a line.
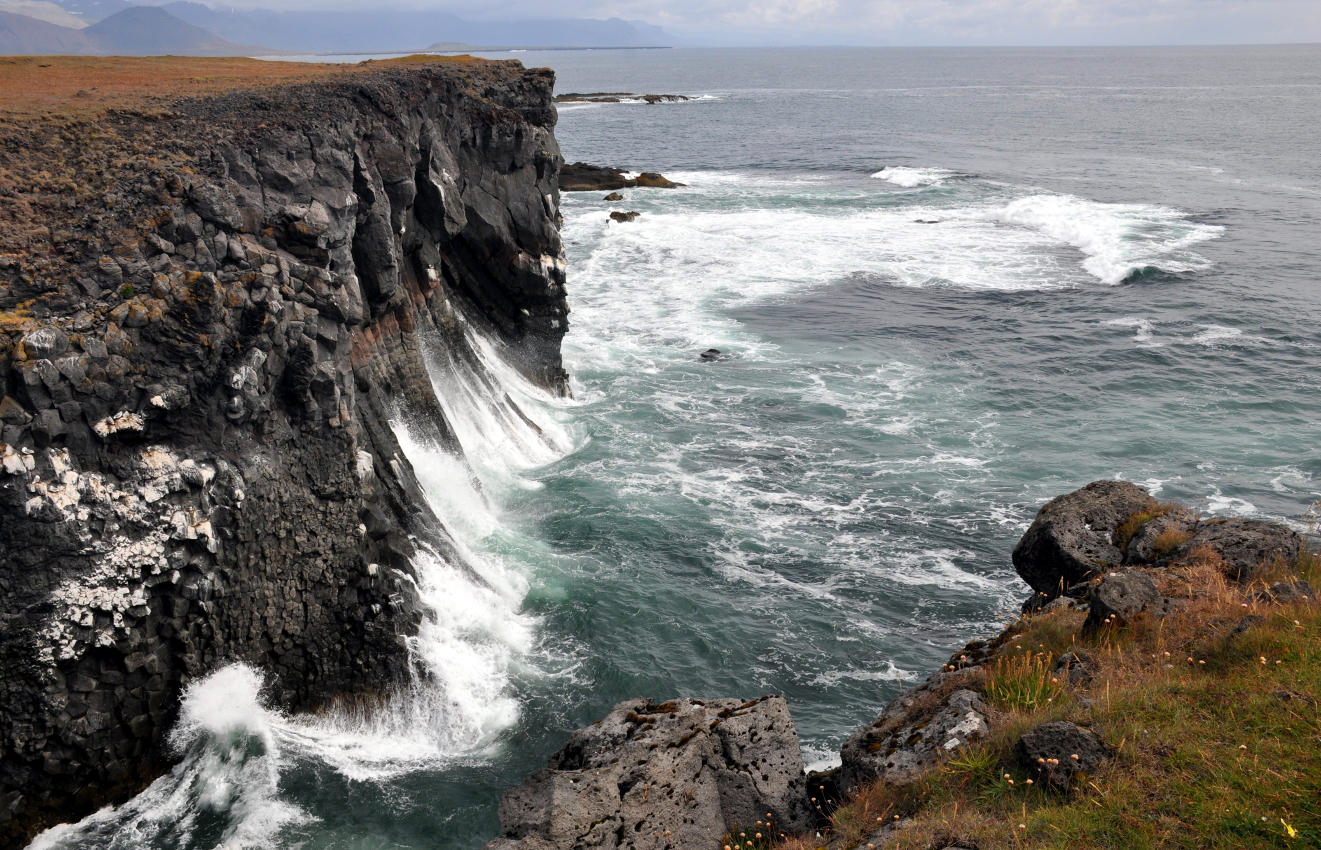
663	776
196	378
619	97
582	177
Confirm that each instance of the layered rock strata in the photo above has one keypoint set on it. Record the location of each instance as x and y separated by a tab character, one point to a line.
198	369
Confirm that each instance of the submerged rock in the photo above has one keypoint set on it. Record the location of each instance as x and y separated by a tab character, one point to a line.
623	217
713	354
662	776
1073	536
614	196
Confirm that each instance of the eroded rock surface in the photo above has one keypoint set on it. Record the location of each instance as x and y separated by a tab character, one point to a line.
1245	546
662	776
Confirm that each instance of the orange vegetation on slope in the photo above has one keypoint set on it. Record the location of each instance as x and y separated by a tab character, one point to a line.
86	85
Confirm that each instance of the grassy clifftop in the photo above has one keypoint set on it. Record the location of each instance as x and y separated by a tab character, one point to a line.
1210	709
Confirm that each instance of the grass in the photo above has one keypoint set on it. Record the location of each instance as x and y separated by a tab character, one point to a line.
89	85
1218	733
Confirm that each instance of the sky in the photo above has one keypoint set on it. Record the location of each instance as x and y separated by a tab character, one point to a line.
912	22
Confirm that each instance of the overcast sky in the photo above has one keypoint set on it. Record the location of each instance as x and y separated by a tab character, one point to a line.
1006	22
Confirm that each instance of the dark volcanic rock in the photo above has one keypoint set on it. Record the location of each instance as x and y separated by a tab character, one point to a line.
661	776
1119	597
614	196
915	732
623	217
1245	545
580	177
712	354
1058	751
1072	537
196	465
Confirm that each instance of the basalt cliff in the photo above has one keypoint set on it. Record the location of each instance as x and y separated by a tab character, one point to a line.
211	306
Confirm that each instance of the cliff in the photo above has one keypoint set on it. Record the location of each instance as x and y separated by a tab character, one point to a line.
210	308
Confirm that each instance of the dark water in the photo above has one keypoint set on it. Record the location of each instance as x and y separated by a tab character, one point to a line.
1115	273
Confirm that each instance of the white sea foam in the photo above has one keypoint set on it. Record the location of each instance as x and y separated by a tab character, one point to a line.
911	178
1218	503
1218	334
1116	240
888	673
1145	330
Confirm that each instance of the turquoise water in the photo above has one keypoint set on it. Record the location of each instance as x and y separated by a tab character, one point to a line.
950	284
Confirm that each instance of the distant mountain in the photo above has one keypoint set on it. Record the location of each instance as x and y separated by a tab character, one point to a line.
151	31
21	34
386	30
135	31
43	10
92	11
320	32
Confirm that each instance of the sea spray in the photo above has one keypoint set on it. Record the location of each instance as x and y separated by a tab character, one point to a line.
222	794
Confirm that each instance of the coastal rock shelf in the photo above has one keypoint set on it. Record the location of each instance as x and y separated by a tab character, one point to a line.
209	311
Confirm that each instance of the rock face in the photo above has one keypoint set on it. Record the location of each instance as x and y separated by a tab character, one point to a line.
196	464
1073	536
665	776
915	732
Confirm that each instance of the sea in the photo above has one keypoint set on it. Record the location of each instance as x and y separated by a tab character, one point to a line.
946	285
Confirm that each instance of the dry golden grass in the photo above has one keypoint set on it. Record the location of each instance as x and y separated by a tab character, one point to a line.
88	85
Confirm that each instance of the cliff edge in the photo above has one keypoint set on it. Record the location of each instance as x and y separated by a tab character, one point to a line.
210	309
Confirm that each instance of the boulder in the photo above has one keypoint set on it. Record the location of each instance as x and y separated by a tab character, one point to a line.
622	217
1120	596
1058	751
909	738
650	775
614	196
1245	546
1073	536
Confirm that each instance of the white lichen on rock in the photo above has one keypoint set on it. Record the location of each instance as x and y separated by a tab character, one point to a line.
121	421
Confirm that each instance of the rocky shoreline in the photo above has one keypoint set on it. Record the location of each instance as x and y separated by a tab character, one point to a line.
210	309
679	774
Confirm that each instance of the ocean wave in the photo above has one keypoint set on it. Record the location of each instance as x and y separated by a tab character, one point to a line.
912	178
1118	241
